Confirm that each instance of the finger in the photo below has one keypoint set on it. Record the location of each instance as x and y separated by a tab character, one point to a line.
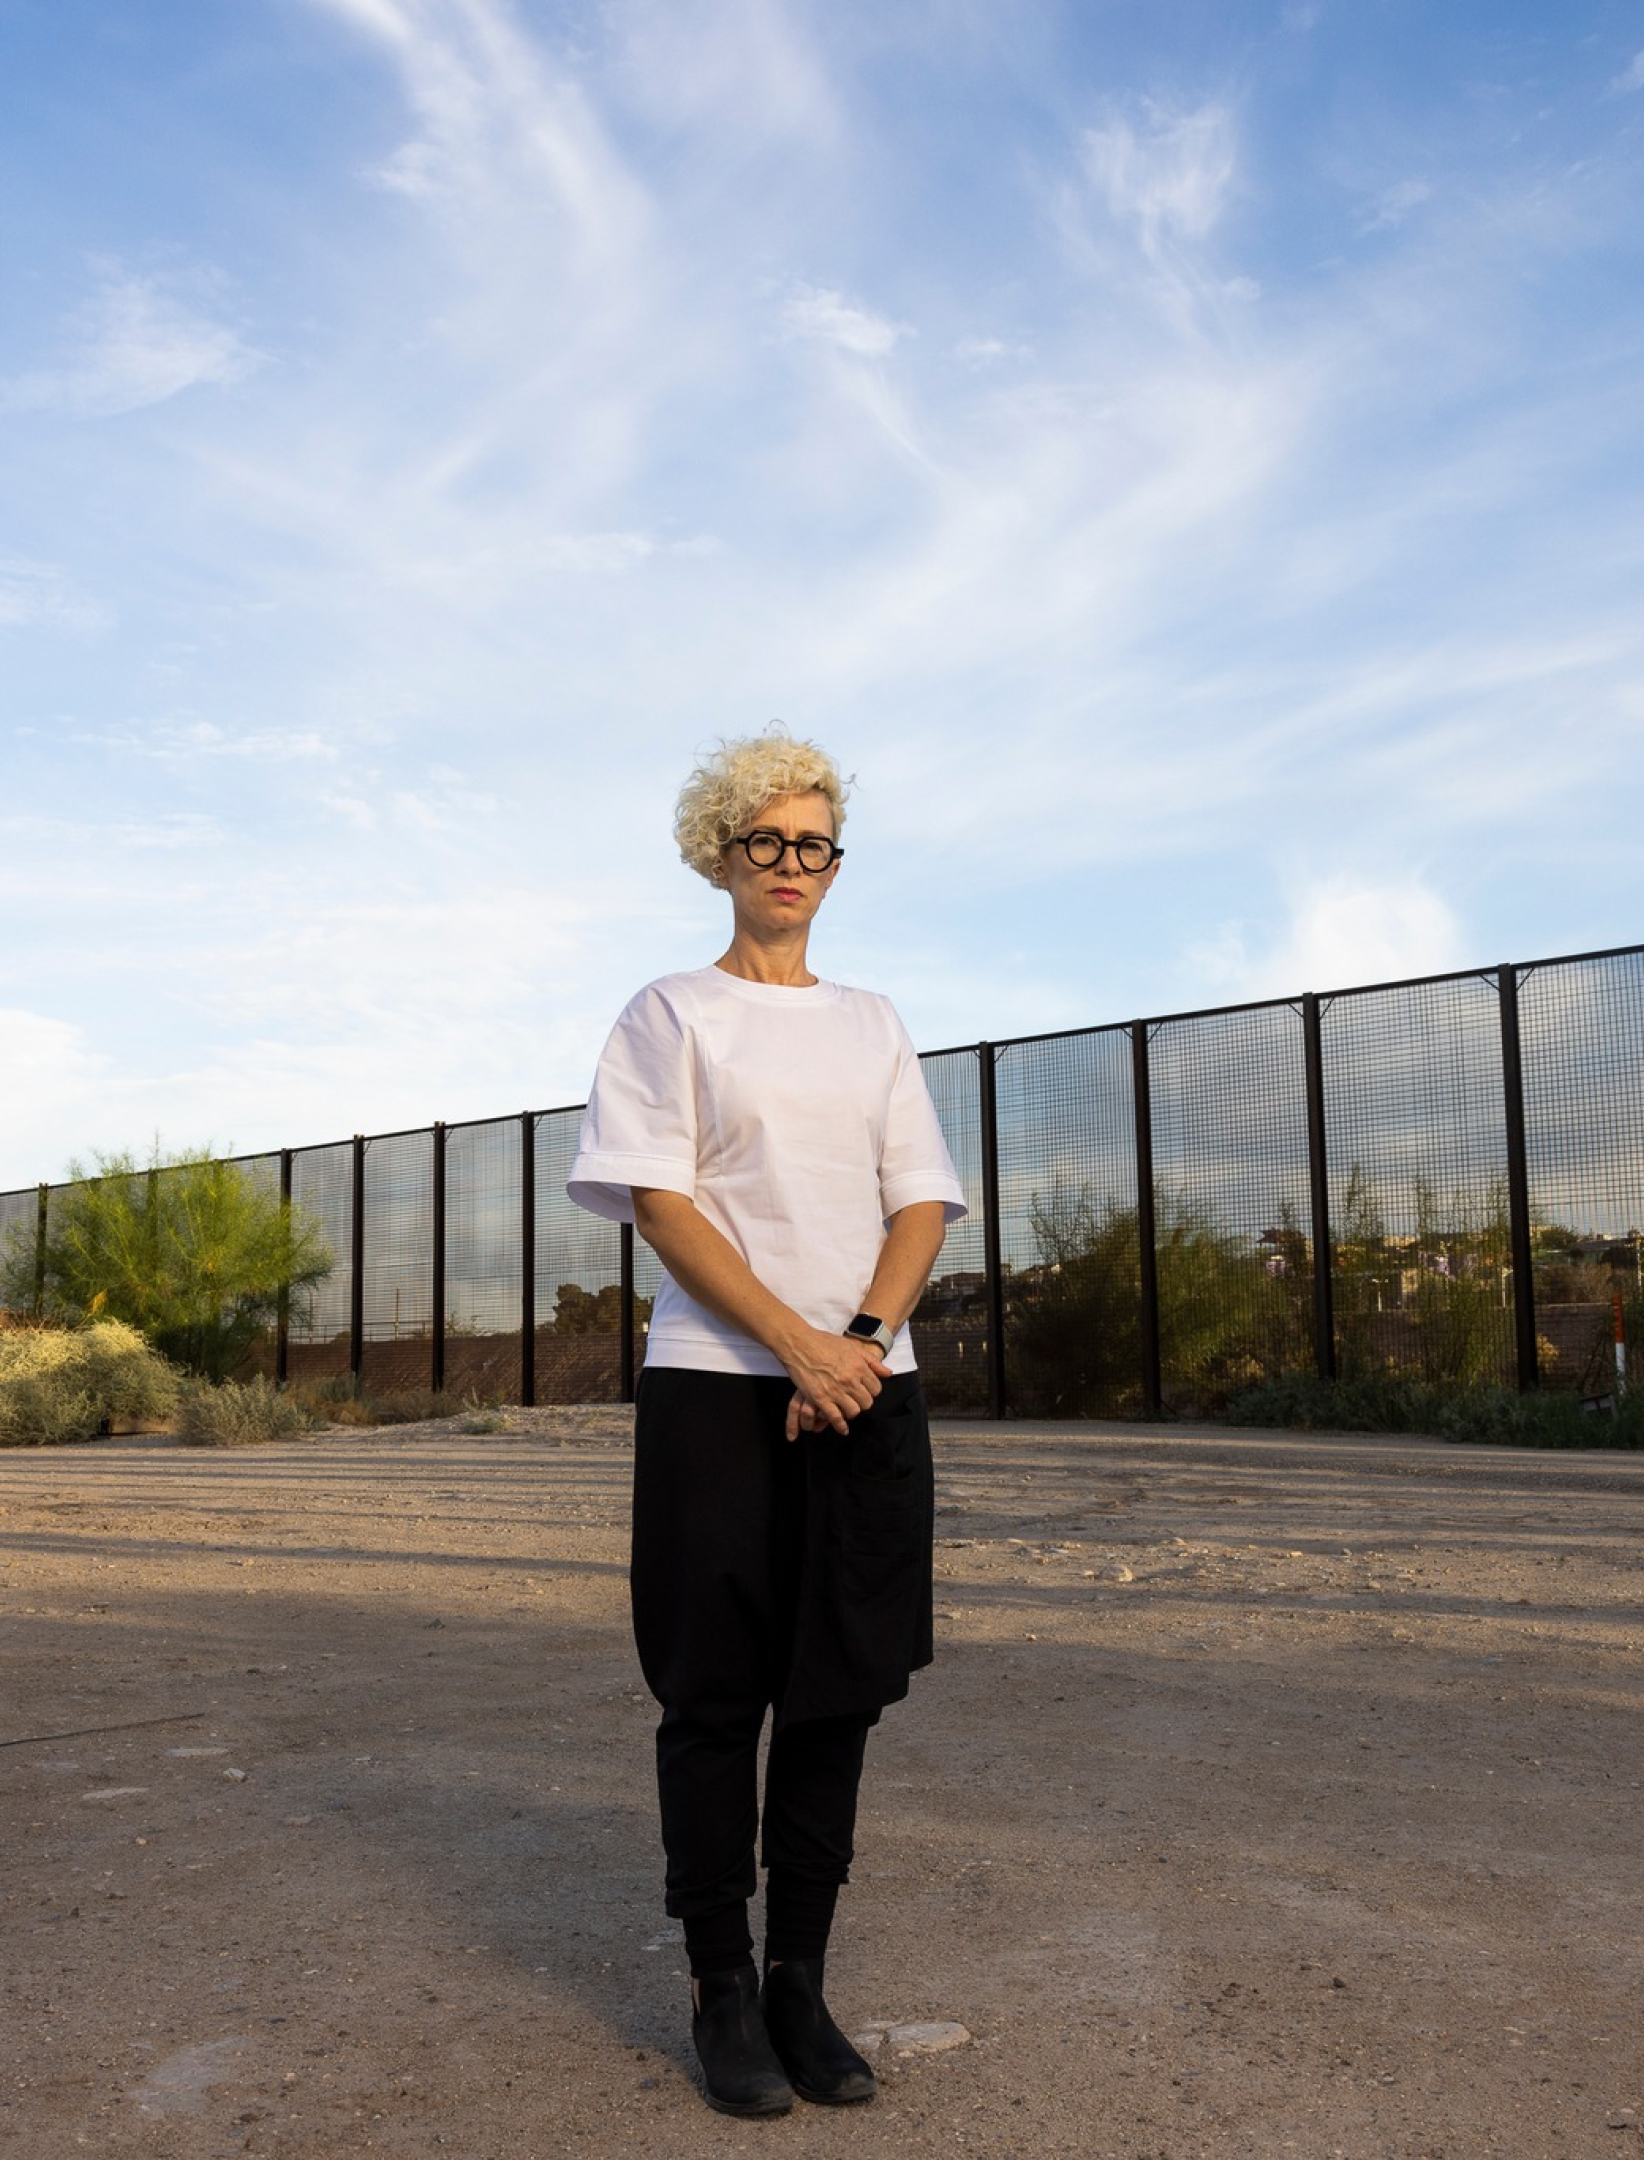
794	1417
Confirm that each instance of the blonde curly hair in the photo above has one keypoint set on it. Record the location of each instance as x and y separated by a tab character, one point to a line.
728	789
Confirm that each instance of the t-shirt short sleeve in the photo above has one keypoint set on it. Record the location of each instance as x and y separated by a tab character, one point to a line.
914	1163
639	1127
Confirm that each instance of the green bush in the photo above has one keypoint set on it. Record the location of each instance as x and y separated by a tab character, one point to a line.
1074	1314
192	1250
1393	1402
61	1384
232	1415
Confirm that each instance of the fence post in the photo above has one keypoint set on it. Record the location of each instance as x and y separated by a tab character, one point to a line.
1146	1228
528	1257
282	1309
1318	1192
41	1211
1518	1183
356	1256
436	1346
626	1336
991	1263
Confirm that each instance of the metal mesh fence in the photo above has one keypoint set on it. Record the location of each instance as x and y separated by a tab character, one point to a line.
262	1174
1068	1239
950	1327
1582	1029
322	1184
484	1263
19	1221
578	1279
1418	1180
1427	1193
1230	1178
397	1283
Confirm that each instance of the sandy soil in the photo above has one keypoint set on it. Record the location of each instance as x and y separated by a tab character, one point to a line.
1267	1797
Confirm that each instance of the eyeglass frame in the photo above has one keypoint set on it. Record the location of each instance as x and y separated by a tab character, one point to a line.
745	842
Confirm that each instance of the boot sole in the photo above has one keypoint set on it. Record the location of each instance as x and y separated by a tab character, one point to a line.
837	2099
747	2108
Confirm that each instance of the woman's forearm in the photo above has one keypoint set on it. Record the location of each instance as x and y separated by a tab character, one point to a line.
708	1267
912	1242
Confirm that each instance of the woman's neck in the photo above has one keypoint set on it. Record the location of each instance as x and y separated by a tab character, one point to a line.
780	961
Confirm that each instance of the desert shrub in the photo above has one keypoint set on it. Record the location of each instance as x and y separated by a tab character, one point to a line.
1228	1313
66	1383
484	1421
334	1402
190	1249
1393	1402
1434	1297
232	1414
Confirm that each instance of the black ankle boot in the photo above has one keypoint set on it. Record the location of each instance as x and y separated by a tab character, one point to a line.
740	2072
821	2062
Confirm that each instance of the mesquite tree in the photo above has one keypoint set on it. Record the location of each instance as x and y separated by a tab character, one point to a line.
192	1250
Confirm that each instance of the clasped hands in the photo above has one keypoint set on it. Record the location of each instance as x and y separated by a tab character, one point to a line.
835	1378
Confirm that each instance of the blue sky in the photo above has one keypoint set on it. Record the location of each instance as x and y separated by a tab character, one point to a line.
1185	460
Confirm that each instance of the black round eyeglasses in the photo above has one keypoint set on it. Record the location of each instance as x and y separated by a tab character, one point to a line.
766	849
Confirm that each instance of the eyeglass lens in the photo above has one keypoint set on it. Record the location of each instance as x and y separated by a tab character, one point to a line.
766	849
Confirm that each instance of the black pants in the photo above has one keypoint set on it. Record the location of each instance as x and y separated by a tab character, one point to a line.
772	1575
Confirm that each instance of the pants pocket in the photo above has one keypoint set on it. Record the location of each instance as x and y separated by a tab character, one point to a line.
881	1495
865	1608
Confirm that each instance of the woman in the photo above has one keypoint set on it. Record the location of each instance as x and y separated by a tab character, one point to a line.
771	1136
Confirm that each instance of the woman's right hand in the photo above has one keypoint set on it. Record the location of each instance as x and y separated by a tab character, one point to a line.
835	1378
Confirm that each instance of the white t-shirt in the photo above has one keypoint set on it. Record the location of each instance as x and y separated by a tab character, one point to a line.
798	1121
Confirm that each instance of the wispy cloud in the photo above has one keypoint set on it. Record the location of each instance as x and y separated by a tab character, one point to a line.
503	134
981	352
50	1080
1341	931
1166	172
1631	77
41	595
740	75
58	837
181	741
828	317
138	342
1395	204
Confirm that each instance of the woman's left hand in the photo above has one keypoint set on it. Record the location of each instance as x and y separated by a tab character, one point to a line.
836	1378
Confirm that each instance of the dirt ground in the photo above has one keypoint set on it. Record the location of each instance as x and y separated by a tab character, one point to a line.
1267	1797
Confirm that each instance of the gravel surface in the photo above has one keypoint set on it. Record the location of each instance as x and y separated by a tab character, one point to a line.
1268	1796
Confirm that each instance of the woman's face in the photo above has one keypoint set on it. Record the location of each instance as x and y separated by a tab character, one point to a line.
784	896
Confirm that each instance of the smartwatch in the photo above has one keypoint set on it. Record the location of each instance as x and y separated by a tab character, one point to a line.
868	1327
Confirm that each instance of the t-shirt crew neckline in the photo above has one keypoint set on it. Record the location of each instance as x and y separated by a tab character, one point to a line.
816	993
